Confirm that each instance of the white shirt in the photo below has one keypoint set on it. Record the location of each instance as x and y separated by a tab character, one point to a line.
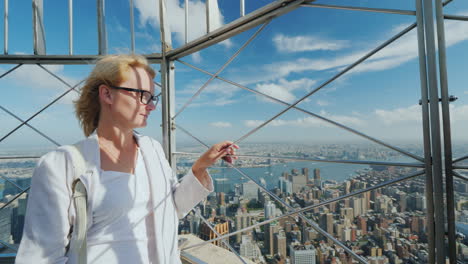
123	203
50	212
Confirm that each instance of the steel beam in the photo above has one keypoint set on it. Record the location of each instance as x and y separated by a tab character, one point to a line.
426	132
63	59
70	27
436	147
458	175
449	188
5	27
101	27
236	27
132	27
38	28
454	17
167	88
366	9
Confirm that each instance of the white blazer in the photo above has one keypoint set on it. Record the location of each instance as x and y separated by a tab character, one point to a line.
50	211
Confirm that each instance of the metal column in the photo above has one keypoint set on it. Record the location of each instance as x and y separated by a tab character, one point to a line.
101	24
452	252
167	88
436	148
38	28
426	132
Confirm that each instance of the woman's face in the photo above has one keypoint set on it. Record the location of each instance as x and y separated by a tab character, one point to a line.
127	108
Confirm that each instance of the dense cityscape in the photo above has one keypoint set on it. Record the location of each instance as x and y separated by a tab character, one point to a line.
385	225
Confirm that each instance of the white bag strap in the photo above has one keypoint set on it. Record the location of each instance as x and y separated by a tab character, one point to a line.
78	245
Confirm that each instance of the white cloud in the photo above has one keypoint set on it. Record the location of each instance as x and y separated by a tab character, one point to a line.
322	103
284	89
400	115
397	53
149	13
306	43
221	124
37	78
465	92
196	57
458	113
310	121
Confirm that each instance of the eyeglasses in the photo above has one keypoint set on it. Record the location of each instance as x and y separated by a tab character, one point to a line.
145	96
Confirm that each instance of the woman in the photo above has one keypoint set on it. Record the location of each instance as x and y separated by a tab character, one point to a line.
134	199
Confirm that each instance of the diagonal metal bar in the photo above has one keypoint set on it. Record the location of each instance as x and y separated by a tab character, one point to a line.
14	198
458	175
40	111
8	245
386	43
460	159
188	133
308	113
30	126
310	222
222	68
10	70
366	9
218	235
58	78
310	207
454	17
19	157
12	182
365	162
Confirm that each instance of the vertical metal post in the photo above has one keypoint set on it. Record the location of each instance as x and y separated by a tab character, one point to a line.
208	11
102	35
38	28
5	27
426	132
186	20
132	28
435	131
167	87
70	27
242	8
452	251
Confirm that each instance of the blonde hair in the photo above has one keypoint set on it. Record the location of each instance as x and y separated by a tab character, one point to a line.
110	70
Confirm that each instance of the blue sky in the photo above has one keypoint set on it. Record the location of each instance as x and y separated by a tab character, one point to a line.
293	55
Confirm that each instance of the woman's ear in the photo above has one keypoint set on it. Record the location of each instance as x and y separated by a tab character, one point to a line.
105	94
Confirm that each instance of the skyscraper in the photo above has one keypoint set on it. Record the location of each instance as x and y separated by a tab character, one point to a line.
302	254
317	179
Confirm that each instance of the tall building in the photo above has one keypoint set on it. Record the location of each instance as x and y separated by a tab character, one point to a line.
250	190
302	254
270	210
248	248
317	179
221	226
279	244
298	182
270	230
305	172
285	186
242	220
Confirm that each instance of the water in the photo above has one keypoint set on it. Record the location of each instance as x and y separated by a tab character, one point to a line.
328	171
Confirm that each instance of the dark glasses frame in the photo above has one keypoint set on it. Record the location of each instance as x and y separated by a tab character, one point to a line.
151	97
